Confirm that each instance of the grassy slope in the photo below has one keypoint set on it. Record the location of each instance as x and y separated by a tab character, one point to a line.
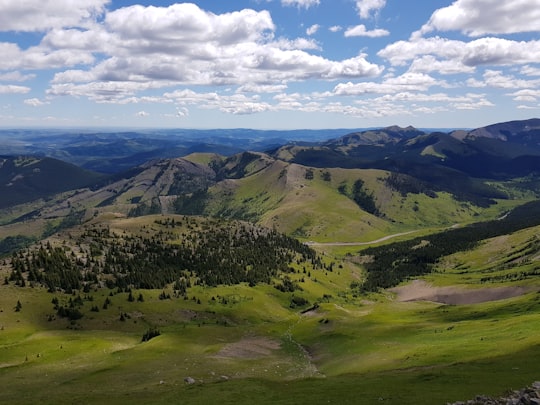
281	196
351	349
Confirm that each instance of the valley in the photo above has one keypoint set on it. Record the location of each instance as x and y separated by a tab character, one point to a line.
384	266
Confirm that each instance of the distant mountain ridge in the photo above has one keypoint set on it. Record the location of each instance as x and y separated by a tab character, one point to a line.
361	182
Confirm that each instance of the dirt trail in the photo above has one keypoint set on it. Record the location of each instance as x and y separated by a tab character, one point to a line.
385	238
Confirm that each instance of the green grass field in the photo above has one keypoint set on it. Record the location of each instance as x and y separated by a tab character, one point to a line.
246	345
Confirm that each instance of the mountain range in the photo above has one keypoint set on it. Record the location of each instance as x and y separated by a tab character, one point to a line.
391	265
378	180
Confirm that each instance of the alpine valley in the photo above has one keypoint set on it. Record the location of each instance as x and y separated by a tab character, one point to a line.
385	265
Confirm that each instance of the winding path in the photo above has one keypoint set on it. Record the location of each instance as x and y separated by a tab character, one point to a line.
385	238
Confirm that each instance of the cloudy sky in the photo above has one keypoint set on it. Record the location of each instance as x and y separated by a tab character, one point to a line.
279	64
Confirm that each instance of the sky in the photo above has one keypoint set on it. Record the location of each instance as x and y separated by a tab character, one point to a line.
268	64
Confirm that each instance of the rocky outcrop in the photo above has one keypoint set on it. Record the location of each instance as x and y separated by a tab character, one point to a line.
526	396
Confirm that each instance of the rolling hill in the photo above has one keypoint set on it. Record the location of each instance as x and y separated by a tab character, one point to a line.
390	265
26	178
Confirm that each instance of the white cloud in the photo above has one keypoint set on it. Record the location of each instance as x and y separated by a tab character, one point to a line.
499	51
405	83
367	7
482	51
40	58
499	80
181	26
480	17
42	15
361	31
12	89
16	77
428	63
262	88
142	114
182	112
527	95
154	47
35	102
530	71
300	3
313	29
335	28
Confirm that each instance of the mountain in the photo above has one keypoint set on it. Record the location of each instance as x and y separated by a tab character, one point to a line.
27	178
456	162
113	151
361	185
398	266
525	132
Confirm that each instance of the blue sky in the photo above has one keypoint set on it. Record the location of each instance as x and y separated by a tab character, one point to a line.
271	64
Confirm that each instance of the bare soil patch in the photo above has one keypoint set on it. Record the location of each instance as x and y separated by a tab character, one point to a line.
249	348
419	290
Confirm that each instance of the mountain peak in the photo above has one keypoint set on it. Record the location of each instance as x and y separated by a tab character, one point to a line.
506	131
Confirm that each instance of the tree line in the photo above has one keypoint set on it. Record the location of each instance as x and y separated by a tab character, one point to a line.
183	252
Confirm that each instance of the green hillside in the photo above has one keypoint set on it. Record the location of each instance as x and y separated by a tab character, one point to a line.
24	179
237	340
385	266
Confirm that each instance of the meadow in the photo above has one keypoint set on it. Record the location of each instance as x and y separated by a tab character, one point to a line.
246	344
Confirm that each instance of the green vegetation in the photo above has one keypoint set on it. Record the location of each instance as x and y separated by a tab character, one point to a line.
395	263
304	337
191	280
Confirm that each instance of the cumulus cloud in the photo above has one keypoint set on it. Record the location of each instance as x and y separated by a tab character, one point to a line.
152	47
40	58
481	17
335	28
368	7
482	51
42	15
142	114
16	76
361	31
497	79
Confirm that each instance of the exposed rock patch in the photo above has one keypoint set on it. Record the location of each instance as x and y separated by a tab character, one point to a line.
526	396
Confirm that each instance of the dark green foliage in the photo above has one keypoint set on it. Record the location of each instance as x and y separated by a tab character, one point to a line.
297	301
309	174
360	196
364	199
150	334
72	314
18	307
72	219
326	176
11	243
287	285
50	266
211	253
397	262
405	184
